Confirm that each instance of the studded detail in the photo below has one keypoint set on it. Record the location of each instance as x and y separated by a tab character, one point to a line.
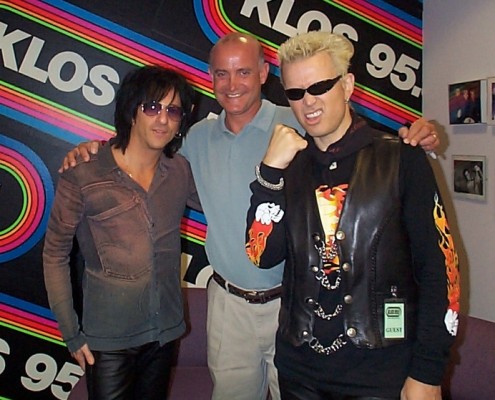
340	235
351	332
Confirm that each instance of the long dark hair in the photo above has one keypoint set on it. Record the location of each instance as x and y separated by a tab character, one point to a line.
144	85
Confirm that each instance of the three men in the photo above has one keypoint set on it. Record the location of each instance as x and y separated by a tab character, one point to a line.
243	302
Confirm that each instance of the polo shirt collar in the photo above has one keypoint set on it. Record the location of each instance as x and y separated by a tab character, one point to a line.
261	120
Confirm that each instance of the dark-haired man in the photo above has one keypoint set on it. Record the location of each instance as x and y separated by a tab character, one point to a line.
125	206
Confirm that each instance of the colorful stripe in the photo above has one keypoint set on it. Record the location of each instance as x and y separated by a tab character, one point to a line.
29	319
36	188
193	226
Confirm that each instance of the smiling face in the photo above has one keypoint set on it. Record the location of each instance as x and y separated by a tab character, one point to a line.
155	132
325	117
238	73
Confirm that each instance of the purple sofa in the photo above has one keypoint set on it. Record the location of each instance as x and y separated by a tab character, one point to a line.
190	377
470	373
471	370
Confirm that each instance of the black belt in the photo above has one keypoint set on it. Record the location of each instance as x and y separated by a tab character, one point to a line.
251	296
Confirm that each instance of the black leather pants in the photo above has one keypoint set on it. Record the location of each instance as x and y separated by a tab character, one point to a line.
137	373
292	390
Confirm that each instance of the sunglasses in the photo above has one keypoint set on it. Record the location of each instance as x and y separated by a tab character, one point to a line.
316	89
153	108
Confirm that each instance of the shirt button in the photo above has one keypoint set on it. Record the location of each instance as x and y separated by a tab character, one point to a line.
314	268
348	299
351	332
340	235
346	267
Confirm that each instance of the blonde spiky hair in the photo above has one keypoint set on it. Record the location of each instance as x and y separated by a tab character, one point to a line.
304	45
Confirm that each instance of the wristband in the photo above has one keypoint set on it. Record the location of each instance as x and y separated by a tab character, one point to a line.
264	183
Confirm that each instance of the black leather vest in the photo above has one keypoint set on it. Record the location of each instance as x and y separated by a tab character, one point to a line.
373	247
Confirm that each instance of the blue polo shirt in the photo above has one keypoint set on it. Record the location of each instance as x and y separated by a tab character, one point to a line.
223	167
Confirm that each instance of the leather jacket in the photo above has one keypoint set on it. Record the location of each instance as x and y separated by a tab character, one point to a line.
373	247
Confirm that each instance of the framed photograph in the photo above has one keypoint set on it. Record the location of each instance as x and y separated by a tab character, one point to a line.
467	102
470	177
490	97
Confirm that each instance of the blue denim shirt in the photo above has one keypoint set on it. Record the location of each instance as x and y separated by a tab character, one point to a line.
130	240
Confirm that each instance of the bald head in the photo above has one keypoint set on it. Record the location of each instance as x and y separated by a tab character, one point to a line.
239	39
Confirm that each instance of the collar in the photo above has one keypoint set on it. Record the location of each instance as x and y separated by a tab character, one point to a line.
109	165
261	120
356	137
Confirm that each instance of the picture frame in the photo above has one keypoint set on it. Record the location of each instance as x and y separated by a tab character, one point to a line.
469	176
468	102
490	101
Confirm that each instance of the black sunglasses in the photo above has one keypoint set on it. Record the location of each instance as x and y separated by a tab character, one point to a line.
316	89
153	108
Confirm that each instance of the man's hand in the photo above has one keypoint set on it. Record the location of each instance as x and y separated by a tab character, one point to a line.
83	356
284	145
416	390
84	150
420	132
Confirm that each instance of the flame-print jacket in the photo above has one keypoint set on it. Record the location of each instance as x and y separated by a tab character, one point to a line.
378	256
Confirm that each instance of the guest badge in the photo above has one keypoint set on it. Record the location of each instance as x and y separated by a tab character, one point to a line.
395	318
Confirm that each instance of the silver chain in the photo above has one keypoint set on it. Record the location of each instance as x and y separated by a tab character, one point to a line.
320	275
337	344
320	312
325	282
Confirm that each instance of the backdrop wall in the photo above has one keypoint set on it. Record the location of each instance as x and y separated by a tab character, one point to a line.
60	65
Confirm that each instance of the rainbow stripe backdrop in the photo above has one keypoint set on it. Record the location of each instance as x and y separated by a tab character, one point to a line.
215	23
67	124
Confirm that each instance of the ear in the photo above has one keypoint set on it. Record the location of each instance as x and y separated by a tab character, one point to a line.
264	72
348	83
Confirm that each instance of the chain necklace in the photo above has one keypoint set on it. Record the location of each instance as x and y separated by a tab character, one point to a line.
320	274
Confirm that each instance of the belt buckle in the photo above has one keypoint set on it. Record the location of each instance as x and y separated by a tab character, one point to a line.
249	296
258	297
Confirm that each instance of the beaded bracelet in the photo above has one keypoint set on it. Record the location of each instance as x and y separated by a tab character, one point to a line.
268	185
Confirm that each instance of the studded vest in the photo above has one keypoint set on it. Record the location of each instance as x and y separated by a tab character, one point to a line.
372	244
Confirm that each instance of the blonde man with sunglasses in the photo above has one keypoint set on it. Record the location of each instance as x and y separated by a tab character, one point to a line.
370	291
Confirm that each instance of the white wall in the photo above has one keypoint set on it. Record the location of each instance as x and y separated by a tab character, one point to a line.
459	46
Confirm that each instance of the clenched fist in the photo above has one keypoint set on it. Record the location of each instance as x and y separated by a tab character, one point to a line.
284	145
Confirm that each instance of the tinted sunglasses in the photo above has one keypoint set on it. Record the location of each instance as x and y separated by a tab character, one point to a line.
316	89
153	108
